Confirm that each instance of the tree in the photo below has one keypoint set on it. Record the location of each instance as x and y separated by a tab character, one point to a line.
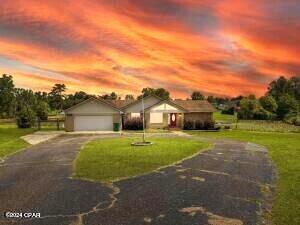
56	96
160	92
25	117
42	109
7	97
41	96
268	103
196	95
248	108
294	87
278	87
129	97
113	96
287	106
105	96
237	98
25	98
252	97
147	91
211	99
220	100
77	97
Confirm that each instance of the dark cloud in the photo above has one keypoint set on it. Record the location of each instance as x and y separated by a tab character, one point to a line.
46	33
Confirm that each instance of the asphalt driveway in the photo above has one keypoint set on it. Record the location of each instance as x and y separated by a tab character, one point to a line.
231	184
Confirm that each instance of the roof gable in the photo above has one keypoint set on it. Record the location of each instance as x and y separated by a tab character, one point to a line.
136	106
165	106
91	106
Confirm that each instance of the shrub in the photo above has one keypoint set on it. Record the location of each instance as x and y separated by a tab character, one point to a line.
263	114
199	125
297	122
209	125
25	118
227	127
248	107
286	105
268	103
133	124
292	118
188	125
228	111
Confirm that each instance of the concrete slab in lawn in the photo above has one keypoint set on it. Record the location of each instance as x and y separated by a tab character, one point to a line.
41	136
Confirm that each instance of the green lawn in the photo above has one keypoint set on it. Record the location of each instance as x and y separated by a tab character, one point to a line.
112	159
284	149
224	118
266	126
10	141
255	125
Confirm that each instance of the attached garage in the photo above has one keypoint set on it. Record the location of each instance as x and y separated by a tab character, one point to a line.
93	123
92	115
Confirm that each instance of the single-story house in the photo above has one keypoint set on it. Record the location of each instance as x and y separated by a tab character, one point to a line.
97	114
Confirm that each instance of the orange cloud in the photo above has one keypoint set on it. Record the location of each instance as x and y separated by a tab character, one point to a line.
183	45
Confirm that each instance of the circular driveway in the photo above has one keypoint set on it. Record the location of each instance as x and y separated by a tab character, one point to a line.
230	184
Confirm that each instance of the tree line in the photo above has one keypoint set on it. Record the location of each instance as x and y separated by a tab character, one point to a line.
281	101
27	106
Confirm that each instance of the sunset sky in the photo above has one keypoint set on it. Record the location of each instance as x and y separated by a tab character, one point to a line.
220	47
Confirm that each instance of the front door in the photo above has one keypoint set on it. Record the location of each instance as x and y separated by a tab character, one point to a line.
173	119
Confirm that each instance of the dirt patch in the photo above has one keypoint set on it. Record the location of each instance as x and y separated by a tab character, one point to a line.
34	139
181	170
147	219
212	218
198	179
219	220
192	211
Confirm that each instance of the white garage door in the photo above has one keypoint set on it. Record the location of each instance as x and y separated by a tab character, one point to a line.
93	123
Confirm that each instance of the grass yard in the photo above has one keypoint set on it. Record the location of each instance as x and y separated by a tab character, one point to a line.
112	159
255	125
266	126
224	118
284	149
10	141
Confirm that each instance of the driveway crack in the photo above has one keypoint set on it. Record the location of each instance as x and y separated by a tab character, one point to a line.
96	208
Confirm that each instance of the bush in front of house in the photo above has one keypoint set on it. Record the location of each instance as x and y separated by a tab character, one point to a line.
188	125
209	125
25	118
133	124
199	125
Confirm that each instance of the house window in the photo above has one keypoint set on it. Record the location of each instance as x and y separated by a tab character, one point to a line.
156	117
135	115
